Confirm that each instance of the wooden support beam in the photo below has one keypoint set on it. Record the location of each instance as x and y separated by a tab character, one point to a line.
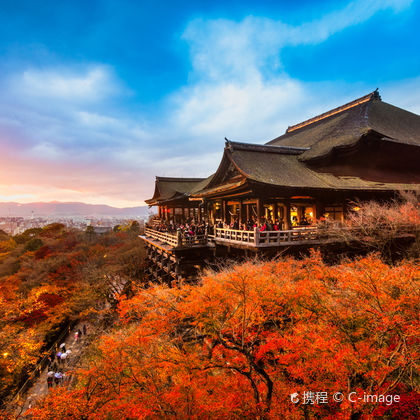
259	211
287	221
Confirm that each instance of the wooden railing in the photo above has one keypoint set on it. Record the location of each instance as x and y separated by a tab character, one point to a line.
231	235
244	237
192	240
266	238
177	239
270	238
164	237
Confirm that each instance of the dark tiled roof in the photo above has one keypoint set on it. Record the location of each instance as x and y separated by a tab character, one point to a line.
285	150
279	168
202	184
282	161
173	188
344	126
287	170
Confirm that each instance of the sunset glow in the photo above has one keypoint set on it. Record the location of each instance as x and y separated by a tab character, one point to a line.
93	114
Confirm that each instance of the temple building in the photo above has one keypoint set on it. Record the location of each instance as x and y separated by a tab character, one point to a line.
171	196
366	149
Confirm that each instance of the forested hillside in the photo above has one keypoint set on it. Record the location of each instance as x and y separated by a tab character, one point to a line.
51	277
242	342
239	343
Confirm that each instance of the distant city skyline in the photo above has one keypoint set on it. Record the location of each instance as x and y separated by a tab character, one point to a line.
99	97
57	208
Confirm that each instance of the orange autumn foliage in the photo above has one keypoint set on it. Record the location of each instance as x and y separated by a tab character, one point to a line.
50	277
240	342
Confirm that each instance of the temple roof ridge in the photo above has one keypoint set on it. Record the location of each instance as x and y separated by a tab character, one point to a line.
369	97
253	147
178	179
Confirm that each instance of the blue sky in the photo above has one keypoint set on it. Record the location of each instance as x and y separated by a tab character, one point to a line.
100	96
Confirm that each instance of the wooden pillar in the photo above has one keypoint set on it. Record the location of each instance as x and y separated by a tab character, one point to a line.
258	210
319	209
224	211
275	215
240	214
314	211
247	211
287	221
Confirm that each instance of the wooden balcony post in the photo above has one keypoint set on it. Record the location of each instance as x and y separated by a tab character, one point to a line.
256	236
287	221
258	211
179	237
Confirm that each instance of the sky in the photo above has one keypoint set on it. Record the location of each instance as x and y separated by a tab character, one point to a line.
98	97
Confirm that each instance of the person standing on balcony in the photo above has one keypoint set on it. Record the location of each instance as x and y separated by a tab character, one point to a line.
263	227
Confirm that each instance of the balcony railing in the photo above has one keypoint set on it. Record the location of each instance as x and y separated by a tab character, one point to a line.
176	240
231	235
266	238
253	238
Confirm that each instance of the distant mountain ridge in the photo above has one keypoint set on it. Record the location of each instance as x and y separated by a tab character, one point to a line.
56	208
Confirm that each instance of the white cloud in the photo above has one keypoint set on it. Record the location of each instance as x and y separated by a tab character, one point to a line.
238	110
238	87
228	50
88	85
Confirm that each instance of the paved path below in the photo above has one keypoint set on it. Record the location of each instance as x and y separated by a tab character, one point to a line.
40	388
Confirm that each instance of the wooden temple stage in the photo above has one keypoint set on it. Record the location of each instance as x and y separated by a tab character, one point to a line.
320	168
175	257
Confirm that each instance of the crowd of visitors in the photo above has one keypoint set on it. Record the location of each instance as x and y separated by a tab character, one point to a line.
189	228
58	362
192	227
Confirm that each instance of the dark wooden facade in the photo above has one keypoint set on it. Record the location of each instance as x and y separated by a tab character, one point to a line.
171	196
364	150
